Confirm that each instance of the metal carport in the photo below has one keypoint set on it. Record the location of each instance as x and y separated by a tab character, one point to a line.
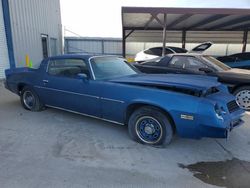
219	25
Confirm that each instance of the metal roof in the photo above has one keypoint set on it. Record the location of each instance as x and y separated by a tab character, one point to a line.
195	19
218	25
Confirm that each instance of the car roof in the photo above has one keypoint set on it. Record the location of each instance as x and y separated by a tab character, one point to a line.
80	56
165	47
172	48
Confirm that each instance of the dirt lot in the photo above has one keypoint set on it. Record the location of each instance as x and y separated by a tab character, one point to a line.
53	148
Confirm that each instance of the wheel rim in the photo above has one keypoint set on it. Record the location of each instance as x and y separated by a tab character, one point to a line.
148	129
28	99
243	99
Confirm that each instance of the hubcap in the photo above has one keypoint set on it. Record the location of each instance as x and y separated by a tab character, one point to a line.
243	99
148	129
28	99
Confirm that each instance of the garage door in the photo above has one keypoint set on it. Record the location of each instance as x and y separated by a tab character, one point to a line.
4	59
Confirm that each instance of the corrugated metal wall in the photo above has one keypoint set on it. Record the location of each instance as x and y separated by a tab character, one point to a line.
29	20
108	46
4	59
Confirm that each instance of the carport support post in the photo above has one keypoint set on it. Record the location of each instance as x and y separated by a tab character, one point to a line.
164	35
183	40
124	43
244	42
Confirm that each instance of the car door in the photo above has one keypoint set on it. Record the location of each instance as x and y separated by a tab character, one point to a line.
67	85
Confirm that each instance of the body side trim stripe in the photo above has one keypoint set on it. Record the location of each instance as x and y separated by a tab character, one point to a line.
111	121
86	95
113	100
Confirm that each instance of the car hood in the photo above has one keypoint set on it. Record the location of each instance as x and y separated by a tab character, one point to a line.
235	74
194	82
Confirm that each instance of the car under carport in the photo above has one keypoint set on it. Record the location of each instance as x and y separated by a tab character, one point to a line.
185	25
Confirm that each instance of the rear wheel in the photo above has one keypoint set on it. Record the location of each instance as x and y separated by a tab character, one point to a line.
30	100
149	125
242	95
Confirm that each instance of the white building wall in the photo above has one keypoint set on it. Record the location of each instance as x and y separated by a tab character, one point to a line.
29	20
4	58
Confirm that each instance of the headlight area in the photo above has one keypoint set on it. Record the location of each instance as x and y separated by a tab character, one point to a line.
215	120
219	111
213	114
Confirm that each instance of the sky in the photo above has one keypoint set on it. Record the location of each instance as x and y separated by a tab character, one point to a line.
102	18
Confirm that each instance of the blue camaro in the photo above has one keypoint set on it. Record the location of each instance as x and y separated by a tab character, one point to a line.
105	87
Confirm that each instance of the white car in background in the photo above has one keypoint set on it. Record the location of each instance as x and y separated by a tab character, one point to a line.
155	52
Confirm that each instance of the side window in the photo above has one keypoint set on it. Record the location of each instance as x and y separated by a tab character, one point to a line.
149	52
178	50
158	51
168	51
154	51
194	64
178	62
186	62
163	62
67	67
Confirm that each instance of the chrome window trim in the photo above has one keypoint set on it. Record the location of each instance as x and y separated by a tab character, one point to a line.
59	108
86	95
171	50
49	61
113	100
91	69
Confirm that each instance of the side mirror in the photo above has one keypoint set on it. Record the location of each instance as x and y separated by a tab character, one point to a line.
206	70
82	76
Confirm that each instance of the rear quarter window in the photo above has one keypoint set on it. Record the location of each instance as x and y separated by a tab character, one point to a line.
67	67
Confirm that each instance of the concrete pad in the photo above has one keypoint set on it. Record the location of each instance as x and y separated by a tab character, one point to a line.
53	148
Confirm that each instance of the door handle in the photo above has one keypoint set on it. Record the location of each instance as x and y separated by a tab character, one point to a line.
45	81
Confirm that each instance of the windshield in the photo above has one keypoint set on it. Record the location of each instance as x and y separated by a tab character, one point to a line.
218	65
110	67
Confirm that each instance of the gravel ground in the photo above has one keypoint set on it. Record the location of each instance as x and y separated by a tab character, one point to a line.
53	148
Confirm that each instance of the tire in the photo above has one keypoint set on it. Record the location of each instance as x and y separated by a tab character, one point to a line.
242	95
149	125
30	100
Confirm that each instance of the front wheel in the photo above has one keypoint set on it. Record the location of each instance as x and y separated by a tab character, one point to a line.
149	125
242	95
30	100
